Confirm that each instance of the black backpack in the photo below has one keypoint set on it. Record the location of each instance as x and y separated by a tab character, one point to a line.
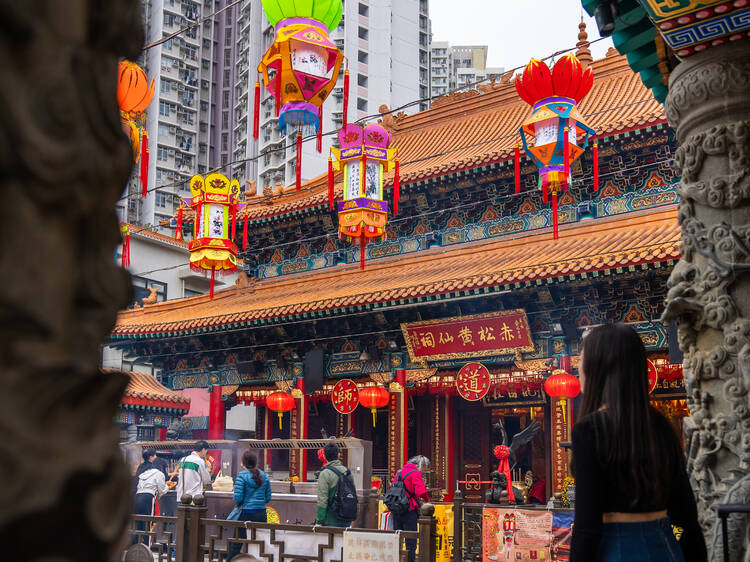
344	502
397	497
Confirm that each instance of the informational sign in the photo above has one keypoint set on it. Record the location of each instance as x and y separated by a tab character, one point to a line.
444	532
516	534
370	547
473	382
477	335
345	396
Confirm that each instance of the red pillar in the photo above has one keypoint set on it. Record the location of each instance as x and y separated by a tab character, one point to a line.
216	414
401	379
162	434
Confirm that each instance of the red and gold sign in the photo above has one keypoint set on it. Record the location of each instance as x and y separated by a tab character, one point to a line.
345	396
473	382
653	377
479	335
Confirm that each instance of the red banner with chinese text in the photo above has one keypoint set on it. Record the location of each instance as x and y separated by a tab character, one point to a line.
468	336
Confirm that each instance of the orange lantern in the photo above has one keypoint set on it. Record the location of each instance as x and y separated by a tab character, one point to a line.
134	94
562	385
280	402
373	397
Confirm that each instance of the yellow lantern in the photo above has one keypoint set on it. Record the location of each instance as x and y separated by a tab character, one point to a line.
215	201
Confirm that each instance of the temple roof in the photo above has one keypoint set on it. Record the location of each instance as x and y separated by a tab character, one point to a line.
144	390
468	130
630	239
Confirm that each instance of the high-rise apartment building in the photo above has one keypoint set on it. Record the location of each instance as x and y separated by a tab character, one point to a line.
201	117
458	67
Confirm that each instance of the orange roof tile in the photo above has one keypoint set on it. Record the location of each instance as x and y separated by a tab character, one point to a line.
471	129
143	389
632	239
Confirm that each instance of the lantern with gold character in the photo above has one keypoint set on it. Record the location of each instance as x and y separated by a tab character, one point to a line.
215	201
555	123
364	157
301	66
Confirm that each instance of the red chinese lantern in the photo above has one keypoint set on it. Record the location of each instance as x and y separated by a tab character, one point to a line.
280	402
562	385
373	397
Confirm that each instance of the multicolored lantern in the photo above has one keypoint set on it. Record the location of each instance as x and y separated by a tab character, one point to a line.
215	202
134	94
374	397
280	402
364	157
305	66
562	385
555	123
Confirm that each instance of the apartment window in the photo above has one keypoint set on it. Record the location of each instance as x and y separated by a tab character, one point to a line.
363	10
224	160
163	132
361	104
228	36
362	56
227	57
190	293
164	108
162	154
363	34
140	288
267	134
225	119
226	98
165	86
225	141
168	19
226	78
362	80
204	127
204	106
161	199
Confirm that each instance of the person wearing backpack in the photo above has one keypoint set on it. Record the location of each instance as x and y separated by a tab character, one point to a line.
403	498
337	496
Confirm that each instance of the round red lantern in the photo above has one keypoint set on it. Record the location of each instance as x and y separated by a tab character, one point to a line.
280	402
373	397
562	385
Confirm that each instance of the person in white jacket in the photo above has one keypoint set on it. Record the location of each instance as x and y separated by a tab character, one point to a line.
192	472
151	484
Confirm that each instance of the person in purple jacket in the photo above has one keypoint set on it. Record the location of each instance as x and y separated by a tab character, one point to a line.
416	490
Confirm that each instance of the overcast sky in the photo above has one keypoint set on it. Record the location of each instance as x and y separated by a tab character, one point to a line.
514	30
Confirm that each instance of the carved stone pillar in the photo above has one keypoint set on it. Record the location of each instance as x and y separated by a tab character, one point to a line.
709	289
64	161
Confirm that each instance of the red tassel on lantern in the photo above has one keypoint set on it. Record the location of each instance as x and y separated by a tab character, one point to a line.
554	216
278	92
596	166
234	220
319	140
256	111
244	233
299	160
178	228
396	188
362	252
346	93
211	290
144	163
330	185
517	168
126	248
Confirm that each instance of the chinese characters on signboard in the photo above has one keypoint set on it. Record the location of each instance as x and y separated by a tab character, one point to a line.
559	455
473	381
370	547
468	336
345	396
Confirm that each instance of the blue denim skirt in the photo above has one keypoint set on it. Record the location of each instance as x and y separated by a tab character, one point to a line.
653	541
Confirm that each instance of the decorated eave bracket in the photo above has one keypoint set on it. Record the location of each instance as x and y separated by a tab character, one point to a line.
555	125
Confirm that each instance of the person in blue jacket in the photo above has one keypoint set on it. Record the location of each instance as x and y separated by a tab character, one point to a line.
252	491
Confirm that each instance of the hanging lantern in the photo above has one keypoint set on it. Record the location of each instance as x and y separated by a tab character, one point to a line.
555	122
364	156
562	385
215	202
374	397
134	94
280	402
302	65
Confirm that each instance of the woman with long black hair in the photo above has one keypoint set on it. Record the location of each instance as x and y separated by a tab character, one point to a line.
252	492
631	483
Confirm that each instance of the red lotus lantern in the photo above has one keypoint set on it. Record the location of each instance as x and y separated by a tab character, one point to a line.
280	402
373	397
562	385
